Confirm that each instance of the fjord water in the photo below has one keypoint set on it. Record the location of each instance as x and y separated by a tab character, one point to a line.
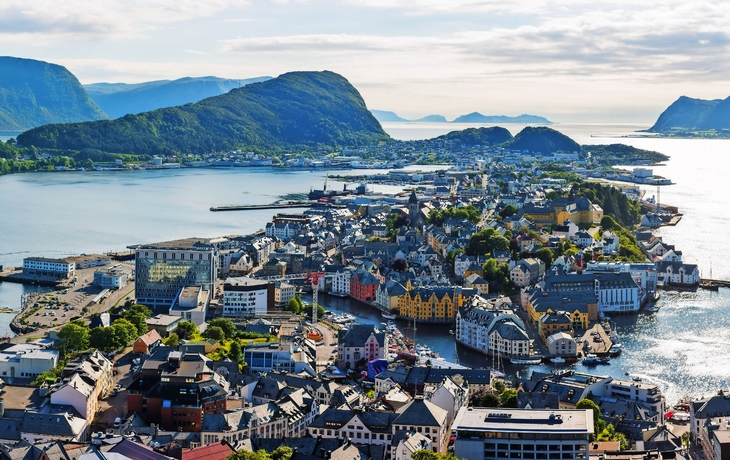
684	347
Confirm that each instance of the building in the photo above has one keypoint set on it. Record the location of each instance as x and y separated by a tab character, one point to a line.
164	324
551	323
484	433
162	270
48	269
147	343
433	304
561	344
704	410
191	304
245	296
490	326
364	285
114	278
26	361
285	357
361	341
283	293
174	389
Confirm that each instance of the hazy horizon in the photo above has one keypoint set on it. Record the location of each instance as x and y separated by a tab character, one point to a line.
569	61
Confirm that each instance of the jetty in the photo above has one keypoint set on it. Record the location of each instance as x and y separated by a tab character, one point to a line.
251	207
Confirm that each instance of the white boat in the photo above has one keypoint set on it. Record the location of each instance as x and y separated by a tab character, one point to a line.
343	318
387	315
529	360
558	360
590	359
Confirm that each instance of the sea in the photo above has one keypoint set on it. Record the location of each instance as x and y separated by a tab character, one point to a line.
684	347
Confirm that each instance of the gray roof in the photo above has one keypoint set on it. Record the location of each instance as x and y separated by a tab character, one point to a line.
420	412
358	334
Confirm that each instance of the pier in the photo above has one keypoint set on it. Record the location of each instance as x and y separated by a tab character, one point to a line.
245	207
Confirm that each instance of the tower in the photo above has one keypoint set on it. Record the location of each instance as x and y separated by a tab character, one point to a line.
414	210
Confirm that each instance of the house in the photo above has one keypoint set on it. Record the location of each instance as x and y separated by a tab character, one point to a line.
583	239
477	282
552	322
361	341
406	443
678	273
147	343
364	285
425	417
561	344
163	324
213	451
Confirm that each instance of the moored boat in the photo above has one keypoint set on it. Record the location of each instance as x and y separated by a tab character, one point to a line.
527	360
558	360
387	315
590	360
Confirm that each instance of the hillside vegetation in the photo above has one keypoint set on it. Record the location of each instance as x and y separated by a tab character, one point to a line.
293	110
35	93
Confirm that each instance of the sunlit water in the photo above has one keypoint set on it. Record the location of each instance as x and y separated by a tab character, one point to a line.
684	347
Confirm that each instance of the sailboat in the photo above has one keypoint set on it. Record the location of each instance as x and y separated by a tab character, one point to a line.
497	371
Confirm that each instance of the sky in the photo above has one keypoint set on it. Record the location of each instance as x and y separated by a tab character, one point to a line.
572	61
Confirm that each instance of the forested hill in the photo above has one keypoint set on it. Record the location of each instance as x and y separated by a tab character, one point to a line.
119	99
294	109
542	139
34	93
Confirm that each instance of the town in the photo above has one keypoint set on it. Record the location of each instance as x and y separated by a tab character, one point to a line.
202	347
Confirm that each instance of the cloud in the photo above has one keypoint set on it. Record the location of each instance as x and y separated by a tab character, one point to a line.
41	21
194	52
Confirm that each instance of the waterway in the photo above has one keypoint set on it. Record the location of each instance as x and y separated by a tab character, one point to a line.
684	346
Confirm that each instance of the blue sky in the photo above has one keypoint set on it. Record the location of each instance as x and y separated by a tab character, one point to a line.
571	61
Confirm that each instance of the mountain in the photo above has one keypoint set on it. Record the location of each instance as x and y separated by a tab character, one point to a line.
432	119
292	110
119	99
687	113
542	139
476	117
479	136
384	116
34	93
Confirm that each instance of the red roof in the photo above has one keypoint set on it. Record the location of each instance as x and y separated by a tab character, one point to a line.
216	451
150	337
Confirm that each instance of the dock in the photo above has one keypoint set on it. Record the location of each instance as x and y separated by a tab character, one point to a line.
252	207
713	285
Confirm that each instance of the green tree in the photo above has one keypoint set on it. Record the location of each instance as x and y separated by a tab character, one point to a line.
74	337
608	223
598	424
508	398
172	340
308	311
99	338
508	211
282	453
215	333
546	255
236	352
294	306
484	398
485	241
229	329
139	321
138	308
124	332
186	330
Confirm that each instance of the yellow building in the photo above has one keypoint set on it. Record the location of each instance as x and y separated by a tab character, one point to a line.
580	211
433	304
581	306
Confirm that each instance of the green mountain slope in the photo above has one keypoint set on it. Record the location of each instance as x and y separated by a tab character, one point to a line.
476	117
34	93
542	139
294	109
119	99
479	136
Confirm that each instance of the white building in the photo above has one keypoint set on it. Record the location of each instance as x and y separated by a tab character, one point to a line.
483	433
79	394
245	296
491	327
283	293
617	292
191	304
40	267
26	361
361	341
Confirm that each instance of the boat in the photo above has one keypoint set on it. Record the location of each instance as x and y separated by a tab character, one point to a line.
343	318
590	360
528	361
615	349
387	315
338	294
604	360
653	308
558	360
451	332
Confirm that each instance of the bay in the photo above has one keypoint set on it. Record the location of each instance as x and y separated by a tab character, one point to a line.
684	347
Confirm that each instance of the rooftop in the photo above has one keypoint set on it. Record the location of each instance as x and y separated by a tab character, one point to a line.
523	420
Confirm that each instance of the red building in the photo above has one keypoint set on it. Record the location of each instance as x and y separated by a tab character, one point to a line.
175	390
364	285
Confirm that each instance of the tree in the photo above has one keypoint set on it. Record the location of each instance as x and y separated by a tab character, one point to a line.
508	398
282	453
140	309
508	211
546	255
485	241
308	311
139	321
608	223
124	332
236	352
186	330
484	398
74	337
294	306
215	333
598	424
172	340
229	329
99	339
400	265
